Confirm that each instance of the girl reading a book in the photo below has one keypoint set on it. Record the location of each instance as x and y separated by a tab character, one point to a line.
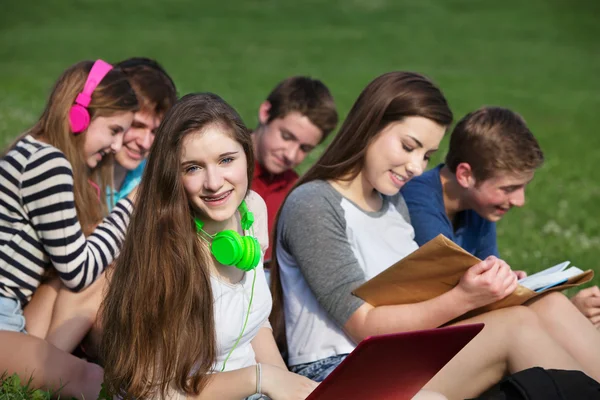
345	222
186	313
51	218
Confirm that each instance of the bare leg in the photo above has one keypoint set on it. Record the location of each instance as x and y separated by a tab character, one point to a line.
38	313
49	368
571	329
74	315
513	340
93	338
429	395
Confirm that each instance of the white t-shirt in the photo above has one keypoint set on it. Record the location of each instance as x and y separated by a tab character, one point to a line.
231	302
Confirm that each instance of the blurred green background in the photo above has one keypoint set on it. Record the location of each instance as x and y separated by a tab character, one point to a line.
540	57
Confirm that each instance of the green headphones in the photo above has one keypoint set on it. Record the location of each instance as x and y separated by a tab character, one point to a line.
230	248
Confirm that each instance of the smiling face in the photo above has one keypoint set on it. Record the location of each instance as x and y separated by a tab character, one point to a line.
214	173
105	135
284	143
400	152
494	197
137	140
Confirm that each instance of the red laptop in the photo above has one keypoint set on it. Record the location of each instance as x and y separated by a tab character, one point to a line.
396	366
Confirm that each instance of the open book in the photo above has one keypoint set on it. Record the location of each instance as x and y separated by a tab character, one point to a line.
550	277
437	266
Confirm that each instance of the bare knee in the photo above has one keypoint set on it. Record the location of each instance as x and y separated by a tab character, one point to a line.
500	324
511	317
551	301
553	307
85	382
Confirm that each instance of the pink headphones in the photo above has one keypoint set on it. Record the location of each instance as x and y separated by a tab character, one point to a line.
79	117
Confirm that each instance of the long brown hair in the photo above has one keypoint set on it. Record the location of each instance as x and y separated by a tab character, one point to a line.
389	98
113	95
159	331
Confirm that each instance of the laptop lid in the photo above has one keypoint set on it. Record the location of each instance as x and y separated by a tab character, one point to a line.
394	366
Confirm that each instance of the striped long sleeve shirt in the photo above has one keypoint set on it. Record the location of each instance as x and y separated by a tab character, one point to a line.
39	228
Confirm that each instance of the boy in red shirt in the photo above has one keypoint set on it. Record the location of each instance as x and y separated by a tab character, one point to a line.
296	116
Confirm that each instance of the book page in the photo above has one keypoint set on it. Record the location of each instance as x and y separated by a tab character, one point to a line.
540	281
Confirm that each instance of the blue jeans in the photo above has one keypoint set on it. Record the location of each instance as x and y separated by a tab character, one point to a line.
257	397
319	370
11	315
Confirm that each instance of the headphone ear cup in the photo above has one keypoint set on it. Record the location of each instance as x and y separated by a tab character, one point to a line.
227	247
79	118
251	256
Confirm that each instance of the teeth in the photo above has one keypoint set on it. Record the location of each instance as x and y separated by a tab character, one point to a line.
216	198
400	178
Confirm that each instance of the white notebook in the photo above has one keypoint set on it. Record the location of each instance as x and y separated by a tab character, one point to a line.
550	277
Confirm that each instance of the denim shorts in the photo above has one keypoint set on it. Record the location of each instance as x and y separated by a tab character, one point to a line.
258	397
11	315
319	370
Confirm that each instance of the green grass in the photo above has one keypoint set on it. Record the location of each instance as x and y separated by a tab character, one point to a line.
539	57
12	388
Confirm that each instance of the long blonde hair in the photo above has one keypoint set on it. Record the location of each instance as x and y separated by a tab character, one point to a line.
159	330
113	95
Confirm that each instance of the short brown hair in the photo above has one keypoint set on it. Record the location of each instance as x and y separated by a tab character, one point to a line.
492	140
153	87
309	97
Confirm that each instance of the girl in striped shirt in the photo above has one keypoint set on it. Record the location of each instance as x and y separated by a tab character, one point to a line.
53	218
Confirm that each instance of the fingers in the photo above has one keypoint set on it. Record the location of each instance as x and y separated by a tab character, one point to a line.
520	274
510	281
511	287
591	307
483	266
594	291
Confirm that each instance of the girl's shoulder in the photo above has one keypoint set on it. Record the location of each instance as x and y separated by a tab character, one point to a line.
31	153
400	205
314	191
255	203
258	207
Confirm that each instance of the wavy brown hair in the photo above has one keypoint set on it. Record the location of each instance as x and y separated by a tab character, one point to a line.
159	331
113	95
389	98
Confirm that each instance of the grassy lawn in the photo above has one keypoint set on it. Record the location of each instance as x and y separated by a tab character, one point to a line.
539	57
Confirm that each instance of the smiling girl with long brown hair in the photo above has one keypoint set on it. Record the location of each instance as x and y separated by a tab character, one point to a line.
186	313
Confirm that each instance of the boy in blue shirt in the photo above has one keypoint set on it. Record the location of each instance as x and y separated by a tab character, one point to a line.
156	94
491	159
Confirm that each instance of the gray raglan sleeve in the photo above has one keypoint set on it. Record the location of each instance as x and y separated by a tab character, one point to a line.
312	230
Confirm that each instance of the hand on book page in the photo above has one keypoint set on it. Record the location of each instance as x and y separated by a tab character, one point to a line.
487	281
550	277
437	267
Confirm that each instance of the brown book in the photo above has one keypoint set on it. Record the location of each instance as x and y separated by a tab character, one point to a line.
435	268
